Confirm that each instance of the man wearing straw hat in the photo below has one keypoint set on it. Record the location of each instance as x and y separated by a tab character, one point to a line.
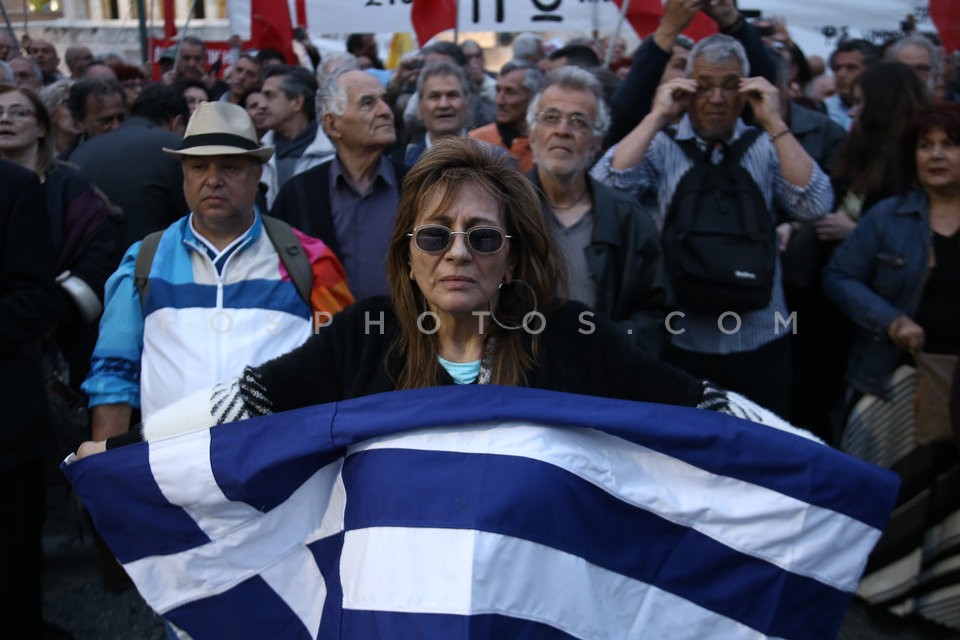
217	296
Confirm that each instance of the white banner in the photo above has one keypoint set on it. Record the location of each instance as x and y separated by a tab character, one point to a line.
392	16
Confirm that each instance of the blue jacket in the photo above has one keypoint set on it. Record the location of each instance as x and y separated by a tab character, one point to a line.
876	275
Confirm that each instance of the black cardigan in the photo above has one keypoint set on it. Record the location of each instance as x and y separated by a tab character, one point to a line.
579	352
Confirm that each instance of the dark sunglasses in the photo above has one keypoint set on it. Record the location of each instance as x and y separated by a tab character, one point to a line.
436	238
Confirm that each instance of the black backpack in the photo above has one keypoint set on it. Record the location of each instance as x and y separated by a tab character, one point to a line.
718	238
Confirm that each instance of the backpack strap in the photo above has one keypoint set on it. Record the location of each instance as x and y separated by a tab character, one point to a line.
141	269
292	255
744	142
688	146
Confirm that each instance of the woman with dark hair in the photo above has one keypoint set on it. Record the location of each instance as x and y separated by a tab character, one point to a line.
869	165
83	231
898	278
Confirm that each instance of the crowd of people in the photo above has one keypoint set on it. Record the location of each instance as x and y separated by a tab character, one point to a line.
750	229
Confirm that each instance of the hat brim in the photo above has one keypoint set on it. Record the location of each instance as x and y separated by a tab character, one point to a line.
262	154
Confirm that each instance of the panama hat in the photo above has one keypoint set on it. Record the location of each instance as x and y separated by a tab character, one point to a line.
220	129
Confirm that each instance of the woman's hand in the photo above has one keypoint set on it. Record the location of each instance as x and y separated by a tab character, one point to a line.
784	233
90	447
906	333
834	227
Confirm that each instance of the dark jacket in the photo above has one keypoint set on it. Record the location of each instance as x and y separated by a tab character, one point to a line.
817	134
577	353
626	263
876	275
304	203
84	237
27	312
129	166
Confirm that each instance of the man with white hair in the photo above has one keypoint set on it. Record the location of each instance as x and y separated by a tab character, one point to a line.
609	243
27	73
918	53
529	46
740	349
351	201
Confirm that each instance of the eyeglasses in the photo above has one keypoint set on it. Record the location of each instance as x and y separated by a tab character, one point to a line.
552	118
17	113
729	88
436	238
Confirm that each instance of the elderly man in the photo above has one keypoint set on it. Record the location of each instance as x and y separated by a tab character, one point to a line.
443	106
517	83
290	115
192	60
27	73
46	56
216	296
77	57
350	202
738	338
8	46
663	56
920	54
609	243
529	46
484	83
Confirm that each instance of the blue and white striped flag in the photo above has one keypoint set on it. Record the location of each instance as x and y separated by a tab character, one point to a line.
490	512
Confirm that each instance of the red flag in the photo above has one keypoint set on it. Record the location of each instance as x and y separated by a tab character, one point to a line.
270	27
644	16
169	26
946	16
302	13
430	17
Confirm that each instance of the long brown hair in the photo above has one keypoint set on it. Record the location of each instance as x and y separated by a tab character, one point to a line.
869	160
46	153
441	171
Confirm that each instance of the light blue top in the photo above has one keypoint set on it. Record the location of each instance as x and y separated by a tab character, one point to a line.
461	372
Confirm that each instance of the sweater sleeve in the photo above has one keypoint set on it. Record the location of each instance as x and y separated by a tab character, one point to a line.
115	364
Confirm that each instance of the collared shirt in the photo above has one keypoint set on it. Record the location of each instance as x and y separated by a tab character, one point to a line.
838	111
660	171
363	223
572	242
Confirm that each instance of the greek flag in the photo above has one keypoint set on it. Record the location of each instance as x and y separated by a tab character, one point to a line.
481	511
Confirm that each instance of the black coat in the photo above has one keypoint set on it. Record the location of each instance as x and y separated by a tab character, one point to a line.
130	167
626	263
27	312
304	203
